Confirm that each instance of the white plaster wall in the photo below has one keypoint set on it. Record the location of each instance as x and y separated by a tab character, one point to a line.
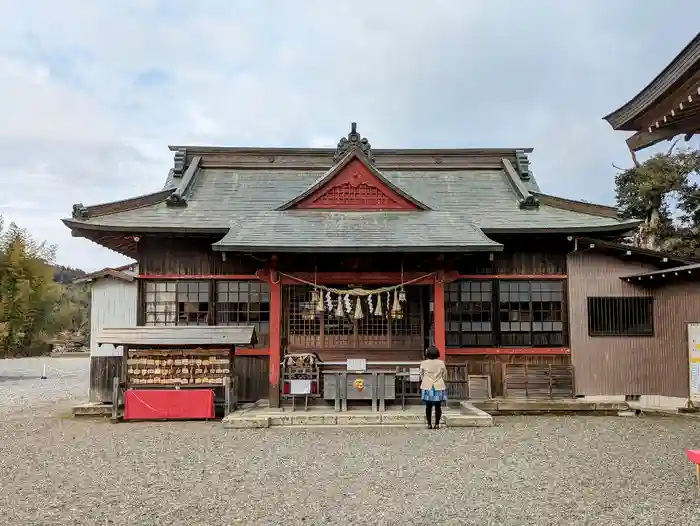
113	303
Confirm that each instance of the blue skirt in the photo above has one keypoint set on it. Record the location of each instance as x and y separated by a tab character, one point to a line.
433	395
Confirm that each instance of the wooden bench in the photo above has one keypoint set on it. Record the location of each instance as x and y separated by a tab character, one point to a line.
694	457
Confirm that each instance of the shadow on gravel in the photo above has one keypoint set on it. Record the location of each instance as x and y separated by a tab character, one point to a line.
23	377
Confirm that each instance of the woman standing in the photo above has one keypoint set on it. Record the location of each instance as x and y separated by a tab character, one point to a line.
433	390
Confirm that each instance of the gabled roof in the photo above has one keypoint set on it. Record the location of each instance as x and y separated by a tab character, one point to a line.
354	156
254	196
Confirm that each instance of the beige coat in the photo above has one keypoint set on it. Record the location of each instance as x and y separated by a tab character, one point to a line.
432	374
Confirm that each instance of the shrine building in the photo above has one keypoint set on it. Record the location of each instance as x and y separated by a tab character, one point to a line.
356	252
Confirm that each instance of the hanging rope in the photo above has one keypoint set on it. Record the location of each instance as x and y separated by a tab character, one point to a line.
356	291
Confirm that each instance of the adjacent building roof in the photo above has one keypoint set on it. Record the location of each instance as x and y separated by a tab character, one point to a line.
249	195
126	273
178	336
666	276
668	106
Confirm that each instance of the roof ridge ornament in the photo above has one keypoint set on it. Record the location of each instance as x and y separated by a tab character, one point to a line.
354	141
179	162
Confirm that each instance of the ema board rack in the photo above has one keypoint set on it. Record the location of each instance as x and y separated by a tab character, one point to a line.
178	367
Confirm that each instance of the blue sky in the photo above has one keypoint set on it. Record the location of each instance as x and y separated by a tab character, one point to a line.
94	91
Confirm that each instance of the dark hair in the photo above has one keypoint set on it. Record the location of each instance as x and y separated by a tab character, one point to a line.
432	353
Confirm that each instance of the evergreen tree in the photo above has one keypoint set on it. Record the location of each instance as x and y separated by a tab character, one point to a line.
664	192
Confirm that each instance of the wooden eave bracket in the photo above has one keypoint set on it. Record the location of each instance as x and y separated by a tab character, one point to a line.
526	200
177	198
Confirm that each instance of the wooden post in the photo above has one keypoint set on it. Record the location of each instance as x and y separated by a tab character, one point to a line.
439	312
115	398
275	337
227	395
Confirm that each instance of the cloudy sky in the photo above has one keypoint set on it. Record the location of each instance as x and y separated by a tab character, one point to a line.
93	91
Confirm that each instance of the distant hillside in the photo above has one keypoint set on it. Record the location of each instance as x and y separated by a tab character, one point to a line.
65	275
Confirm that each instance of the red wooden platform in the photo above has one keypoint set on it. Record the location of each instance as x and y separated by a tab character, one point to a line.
168	404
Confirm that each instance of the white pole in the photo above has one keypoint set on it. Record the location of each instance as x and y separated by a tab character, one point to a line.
43	374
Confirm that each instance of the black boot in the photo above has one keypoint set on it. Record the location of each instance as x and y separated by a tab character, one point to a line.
438	415
429	414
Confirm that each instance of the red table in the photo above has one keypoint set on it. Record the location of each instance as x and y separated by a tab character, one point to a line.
168	404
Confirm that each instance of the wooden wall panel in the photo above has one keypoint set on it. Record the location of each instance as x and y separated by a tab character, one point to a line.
252	373
102	371
190	256
493	365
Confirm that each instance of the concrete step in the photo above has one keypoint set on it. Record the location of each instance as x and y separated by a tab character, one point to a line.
92	409
464	415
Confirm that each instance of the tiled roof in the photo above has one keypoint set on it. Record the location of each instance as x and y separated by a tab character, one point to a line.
685	64
316	230
484	197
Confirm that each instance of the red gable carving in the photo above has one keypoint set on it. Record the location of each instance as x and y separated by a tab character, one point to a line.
355	187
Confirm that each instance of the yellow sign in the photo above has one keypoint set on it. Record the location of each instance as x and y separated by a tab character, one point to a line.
359	384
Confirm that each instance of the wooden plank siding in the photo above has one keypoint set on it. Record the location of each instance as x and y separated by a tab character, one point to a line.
103	369
113	303
633	365
193	256
252	373
492	365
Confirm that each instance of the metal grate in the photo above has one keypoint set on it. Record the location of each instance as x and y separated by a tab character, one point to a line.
620	316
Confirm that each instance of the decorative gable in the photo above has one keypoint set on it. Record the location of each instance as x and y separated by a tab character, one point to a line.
355	187
354	184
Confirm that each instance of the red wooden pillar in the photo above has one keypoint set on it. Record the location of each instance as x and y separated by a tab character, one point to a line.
439	312
275	337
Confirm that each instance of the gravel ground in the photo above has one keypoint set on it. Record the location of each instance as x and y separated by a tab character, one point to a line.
525	470
22	389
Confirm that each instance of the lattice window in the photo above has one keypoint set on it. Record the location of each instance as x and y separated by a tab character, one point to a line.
531	313
308	328
469	313
244	303
409	327
193	302
160	303
621	316
304	324
176	302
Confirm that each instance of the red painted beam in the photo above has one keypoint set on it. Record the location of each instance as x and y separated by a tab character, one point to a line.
439	314
507	276
507	350
199	276
380	278
360	278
